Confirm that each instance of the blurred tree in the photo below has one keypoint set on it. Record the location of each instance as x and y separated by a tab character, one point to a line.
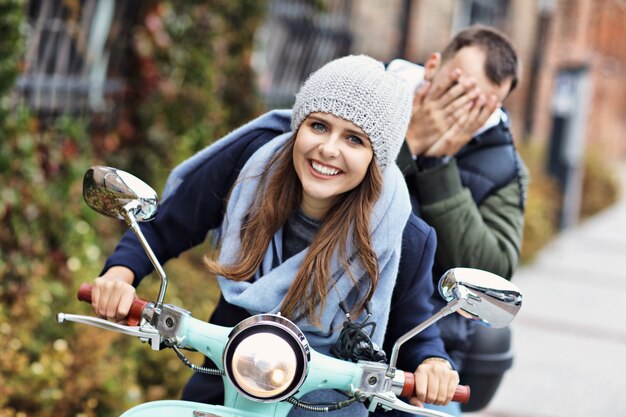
542	202
191	83
601	187
11	50
600	190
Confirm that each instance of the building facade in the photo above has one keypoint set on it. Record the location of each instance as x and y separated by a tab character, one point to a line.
570	53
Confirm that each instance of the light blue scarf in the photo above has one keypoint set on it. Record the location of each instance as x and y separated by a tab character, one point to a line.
266	293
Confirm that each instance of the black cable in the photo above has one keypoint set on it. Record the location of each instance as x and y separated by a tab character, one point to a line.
354	344
320	408
200	369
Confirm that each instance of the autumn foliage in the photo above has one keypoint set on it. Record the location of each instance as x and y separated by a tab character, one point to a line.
190	82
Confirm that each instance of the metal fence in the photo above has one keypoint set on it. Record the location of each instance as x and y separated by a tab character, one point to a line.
487	12
297	38
75	55
77	52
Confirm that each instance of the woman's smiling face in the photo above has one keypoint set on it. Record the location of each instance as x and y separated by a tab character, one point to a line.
331	156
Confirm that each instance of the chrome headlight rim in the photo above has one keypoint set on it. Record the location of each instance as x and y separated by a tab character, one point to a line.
278	326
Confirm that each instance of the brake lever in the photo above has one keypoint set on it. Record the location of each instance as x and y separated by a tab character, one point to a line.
389	401
146	332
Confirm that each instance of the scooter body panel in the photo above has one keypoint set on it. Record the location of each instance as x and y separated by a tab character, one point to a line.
174	408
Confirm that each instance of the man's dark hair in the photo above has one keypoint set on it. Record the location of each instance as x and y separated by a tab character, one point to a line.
501	59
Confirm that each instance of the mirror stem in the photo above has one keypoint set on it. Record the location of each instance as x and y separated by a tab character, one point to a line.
450	308
129	217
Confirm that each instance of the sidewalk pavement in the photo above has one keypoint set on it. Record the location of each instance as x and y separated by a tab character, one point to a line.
570	335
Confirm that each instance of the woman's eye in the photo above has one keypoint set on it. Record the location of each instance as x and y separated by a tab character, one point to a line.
355	139
318	126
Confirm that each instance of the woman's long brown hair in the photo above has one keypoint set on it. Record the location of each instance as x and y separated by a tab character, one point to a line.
278	196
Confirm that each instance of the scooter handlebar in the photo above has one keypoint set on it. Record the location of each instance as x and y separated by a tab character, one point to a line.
136	309
461	394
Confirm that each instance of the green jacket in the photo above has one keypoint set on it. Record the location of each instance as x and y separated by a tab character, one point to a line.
487	237
473	229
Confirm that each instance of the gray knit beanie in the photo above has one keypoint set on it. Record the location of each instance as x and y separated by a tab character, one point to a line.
358	89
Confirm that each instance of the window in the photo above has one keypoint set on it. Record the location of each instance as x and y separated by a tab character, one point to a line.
74	58
487	12
298	37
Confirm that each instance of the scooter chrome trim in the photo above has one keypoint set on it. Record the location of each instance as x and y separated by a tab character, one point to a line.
146	333
281	328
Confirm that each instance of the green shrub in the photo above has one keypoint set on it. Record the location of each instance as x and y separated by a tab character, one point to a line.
11	50
601	187
600	190
191	83
542	202
49	241
188	92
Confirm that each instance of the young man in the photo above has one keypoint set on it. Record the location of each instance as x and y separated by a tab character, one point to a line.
465	177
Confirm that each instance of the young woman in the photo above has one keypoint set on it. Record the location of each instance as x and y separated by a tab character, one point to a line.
319	213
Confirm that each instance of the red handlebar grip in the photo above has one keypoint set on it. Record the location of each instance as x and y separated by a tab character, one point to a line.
409	385
134	315
461	394
84	292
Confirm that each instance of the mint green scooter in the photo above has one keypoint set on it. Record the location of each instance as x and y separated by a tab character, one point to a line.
265	361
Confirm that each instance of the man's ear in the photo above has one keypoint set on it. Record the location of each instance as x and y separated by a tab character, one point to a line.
432	65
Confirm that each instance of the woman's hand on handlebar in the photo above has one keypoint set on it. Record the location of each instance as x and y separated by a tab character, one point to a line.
112	293
435	382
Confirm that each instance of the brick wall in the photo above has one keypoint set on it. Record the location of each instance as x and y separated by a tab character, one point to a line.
579	32
607	36
590	33
377	27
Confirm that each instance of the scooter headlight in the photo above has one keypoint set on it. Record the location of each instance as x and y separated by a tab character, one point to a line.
266	358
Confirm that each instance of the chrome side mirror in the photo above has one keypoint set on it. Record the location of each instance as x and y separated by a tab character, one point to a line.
110	191
486	297
473	293
123	196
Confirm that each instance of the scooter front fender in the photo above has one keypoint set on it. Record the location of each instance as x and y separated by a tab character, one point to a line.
177	408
